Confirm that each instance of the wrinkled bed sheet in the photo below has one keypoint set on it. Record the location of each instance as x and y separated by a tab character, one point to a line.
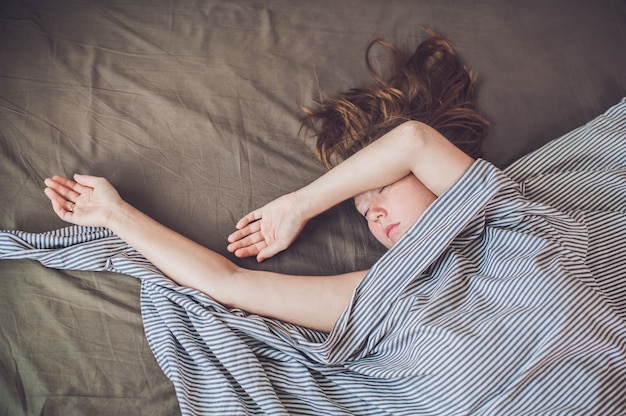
192	110
494	302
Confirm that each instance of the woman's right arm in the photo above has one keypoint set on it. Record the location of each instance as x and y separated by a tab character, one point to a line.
412	147
312	301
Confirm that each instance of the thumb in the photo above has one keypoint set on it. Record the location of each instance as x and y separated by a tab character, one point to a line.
86	180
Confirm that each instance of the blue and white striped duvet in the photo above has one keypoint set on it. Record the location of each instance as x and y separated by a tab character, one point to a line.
507	297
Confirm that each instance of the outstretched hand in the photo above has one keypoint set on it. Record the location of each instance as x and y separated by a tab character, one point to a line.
86	200
268	230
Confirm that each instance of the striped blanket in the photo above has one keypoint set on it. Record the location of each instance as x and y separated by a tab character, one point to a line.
507	297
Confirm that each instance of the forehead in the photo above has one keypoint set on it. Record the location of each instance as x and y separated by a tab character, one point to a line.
363	197
408	185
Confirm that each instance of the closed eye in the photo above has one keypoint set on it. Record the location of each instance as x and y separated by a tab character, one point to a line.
359	209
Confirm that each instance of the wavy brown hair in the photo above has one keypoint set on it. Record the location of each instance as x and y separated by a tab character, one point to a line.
431	86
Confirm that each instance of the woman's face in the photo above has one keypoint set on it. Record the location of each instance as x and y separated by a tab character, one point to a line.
391	210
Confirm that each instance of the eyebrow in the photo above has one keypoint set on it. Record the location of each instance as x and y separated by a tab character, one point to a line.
359	206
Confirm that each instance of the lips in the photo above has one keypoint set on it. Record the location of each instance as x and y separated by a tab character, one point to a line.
390	229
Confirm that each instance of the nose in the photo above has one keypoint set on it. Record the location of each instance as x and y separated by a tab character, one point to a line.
375	213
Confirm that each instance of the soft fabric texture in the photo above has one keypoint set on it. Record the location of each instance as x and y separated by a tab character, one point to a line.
506	297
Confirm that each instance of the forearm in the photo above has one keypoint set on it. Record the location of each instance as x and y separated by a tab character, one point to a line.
311	301
411	147
183	260
315	302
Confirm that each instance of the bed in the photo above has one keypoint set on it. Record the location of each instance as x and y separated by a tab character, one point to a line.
192	109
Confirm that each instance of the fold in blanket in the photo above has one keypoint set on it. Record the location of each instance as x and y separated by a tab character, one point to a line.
506	297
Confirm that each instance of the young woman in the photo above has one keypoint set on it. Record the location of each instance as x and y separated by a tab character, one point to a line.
502	293
393	180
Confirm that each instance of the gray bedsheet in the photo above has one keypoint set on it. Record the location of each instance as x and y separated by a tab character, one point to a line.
192	110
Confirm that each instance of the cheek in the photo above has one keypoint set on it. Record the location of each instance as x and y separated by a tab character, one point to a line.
421	199
372	228
377	232
414	212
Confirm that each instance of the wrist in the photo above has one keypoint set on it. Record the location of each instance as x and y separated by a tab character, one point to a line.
303	204
120	213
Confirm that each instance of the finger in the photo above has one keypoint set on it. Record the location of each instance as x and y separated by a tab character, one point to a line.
232	247
250	250
248	219
247	241
246	252
237	235
78	186
88	180
70	206
270	251
55	197
59	204
255	227
67	188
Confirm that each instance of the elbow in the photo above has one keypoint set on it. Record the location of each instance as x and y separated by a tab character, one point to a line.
415	136
238	283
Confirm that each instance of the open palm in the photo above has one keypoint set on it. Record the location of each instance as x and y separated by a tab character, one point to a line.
268	230
86	200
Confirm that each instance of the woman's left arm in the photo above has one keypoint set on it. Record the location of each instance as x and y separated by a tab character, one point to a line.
412	147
